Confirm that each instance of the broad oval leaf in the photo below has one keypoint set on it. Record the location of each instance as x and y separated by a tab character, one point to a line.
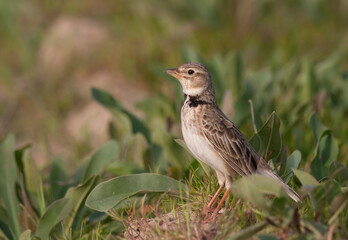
268	138
26	235
327	152
110	193
305	178
318	127
104	156
55	213
252	188
112	104
292	163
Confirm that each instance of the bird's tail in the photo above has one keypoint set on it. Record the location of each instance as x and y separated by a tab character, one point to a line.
287	189
291	192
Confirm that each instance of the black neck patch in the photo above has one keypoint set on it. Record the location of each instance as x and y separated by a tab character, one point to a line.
194	101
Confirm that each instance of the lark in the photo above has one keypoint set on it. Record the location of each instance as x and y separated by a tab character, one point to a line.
212	137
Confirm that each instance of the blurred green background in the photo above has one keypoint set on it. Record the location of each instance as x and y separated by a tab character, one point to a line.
291	53
62	63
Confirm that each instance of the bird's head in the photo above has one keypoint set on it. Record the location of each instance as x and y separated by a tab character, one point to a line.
193	77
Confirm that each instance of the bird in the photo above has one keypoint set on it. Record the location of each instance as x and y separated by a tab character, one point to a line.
212	137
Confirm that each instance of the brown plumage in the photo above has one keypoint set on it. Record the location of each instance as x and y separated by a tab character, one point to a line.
211	136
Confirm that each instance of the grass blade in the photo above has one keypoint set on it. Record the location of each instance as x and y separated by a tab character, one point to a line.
248	232
8	178
55	213
77	195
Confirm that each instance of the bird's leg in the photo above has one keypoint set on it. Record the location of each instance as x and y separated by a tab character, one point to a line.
222	200
213	200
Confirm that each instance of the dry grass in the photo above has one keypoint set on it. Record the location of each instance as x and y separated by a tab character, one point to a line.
186	217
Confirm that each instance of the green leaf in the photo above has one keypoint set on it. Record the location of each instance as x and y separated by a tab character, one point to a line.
292	163
110	193
268	138
54	214
324	194
119	168
19	155
159	70
172	155
110	103
255	117
282	161
330	64
191	55
317	228
248	232
305	178
253	188
137	151
308	81
339	172
238	74
33	182
309	183
4	226
8	179
266	237
327	152
218	74
58	180
26	235
105	99
318	127
182	143
241	106
77	195
104	156
78	175
281	207
339	203
256	143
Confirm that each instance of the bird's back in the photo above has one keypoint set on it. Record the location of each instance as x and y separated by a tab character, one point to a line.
210	135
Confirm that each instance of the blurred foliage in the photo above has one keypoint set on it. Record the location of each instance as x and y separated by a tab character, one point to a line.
288	57
281	42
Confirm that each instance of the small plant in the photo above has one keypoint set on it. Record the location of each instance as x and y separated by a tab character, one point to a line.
60	212
144	176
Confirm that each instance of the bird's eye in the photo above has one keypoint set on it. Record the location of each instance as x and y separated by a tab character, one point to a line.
191	72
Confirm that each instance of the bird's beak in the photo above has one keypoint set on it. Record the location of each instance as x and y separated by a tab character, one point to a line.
172	72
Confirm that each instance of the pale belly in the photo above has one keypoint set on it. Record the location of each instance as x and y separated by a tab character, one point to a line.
201	149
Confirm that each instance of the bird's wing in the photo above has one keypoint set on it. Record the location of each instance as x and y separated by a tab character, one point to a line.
229	142
235	149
